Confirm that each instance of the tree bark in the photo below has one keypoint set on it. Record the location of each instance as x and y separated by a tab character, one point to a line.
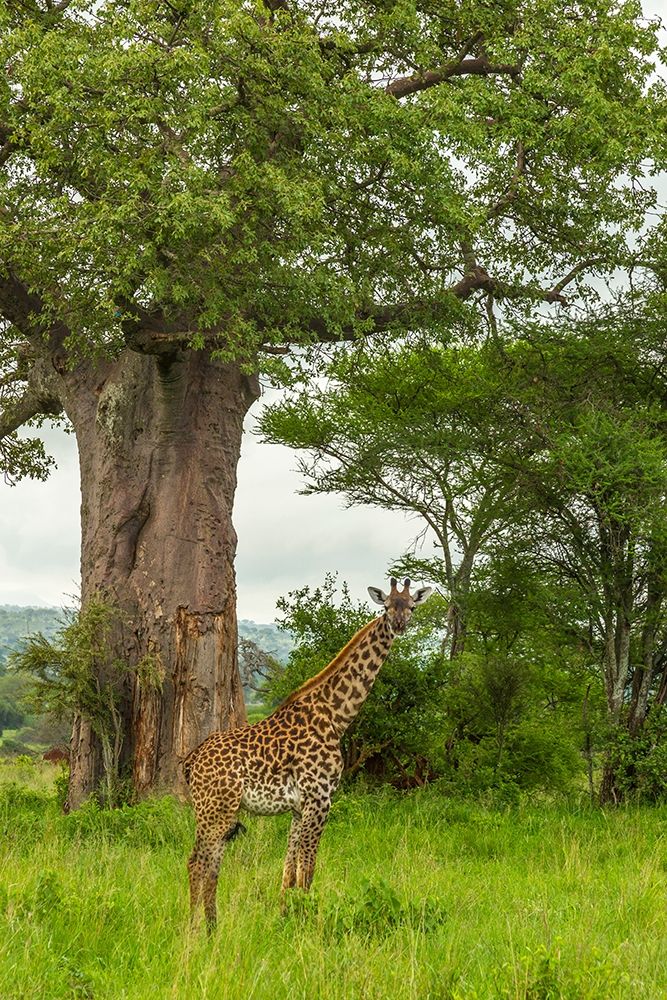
159	440
458	610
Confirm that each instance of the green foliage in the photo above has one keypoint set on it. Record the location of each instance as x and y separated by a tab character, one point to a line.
379	911
639	761
376	911
226	158
62	669
74	673
22	458
505	728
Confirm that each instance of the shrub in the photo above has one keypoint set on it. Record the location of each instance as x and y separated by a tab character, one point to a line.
14	748
63	671
639	762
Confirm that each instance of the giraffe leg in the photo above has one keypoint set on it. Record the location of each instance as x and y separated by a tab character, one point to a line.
195	874
214	829
289	870
313	818
210	883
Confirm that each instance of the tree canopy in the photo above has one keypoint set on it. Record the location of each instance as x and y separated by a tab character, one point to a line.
244	176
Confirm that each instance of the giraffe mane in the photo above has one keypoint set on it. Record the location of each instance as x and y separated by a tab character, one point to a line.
330	667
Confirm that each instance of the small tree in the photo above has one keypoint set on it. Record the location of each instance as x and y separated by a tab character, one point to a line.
73	674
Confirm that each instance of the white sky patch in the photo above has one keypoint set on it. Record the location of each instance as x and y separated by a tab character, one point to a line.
40	530
285	540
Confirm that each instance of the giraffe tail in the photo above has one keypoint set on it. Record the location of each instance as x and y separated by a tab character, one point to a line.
235	831
187	765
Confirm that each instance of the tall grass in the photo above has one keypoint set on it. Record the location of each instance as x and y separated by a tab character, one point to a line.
415	897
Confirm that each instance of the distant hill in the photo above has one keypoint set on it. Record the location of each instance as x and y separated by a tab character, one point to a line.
268	637
16	622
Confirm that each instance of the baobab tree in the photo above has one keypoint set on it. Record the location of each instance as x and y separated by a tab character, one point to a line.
188	189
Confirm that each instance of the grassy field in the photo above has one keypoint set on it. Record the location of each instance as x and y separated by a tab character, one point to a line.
416	897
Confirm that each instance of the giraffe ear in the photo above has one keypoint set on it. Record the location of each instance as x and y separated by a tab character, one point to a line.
377	595
422	595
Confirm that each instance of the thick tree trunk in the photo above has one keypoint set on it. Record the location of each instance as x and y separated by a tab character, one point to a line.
159	441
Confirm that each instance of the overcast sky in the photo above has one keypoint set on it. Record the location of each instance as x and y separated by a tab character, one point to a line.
285	540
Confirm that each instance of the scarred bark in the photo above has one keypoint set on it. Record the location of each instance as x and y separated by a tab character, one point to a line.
159	441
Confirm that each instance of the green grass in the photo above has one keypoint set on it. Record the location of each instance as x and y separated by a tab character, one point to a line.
415	897
257	712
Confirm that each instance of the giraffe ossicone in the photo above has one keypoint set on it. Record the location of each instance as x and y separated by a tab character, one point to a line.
291	761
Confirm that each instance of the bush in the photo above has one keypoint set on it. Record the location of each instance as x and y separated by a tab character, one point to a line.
14	748
639	762
501	734
63	673
533	756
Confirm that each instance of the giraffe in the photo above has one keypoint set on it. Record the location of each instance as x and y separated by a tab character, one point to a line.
290	761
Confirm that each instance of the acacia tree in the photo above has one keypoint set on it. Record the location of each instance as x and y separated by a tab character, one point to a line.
539	466
411	430
189	187
594	404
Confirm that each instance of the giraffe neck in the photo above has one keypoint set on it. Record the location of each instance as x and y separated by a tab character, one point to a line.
342	692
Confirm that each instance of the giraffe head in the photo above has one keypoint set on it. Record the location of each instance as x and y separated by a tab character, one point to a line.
399	604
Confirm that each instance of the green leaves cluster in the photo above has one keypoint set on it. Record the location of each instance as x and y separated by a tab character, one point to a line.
61	667
247	168
75	674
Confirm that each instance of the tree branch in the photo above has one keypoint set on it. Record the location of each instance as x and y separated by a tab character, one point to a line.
479	66
26	312
32	403
554	294
150	332
510	193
